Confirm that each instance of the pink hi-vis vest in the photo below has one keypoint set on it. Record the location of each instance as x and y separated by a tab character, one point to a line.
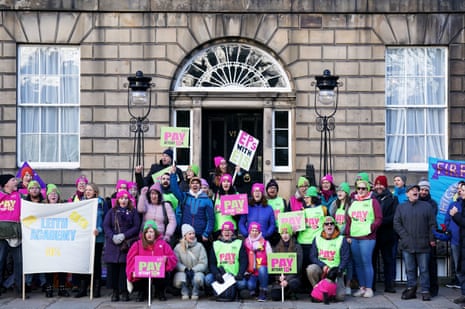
10	206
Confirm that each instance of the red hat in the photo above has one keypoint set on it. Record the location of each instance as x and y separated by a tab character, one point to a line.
25	170
381	180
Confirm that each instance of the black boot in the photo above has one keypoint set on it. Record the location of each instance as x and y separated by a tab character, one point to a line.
62	291
125	295
115	295
82	289
97	288
49	291
161	294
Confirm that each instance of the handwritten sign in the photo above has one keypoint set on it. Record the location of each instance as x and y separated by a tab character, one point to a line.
282	263
234	204
294	218
244	150
149	266
174	137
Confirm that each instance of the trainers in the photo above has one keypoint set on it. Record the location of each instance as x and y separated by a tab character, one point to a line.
460	299
348	291
368	293
195	297
359	293
185	297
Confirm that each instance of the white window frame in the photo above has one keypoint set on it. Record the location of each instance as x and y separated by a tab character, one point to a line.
287	168
37	80
403	82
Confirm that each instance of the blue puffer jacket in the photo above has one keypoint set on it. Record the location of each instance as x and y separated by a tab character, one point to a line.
196	211
262	214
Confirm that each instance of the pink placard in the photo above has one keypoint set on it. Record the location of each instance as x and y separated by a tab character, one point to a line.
234	204
149	266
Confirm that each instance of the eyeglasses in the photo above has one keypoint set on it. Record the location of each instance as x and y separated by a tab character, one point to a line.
361	188
329	223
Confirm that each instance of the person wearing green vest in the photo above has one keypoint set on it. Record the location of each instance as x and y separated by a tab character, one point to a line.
329	249
364	217
314	214
338	211
228	255
278	204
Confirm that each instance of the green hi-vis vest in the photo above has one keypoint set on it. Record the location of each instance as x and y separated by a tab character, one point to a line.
313	223
227	255
220	218
278	207
340	217
329	250
169	197
362	216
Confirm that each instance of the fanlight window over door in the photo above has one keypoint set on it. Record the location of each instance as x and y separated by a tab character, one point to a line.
233	67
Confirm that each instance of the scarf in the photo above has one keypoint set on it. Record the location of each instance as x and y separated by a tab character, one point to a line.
252	265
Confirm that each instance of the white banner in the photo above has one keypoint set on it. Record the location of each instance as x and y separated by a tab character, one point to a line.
58	237
244	150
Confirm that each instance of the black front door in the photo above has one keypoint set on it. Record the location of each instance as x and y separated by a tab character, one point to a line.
220	129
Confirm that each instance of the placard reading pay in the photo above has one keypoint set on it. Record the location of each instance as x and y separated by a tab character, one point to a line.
150	266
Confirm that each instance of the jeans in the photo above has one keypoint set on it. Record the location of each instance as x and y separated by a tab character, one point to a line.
455	250
16	253
262	279
210	278
362	253
412	261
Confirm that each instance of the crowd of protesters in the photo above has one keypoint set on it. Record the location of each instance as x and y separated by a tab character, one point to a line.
177	215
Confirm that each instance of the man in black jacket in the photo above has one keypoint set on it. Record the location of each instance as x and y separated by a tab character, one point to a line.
414	221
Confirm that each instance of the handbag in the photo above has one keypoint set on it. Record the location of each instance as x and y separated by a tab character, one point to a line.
127	243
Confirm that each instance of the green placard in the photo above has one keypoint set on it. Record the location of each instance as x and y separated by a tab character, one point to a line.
295	218
282	263
174	137
156	176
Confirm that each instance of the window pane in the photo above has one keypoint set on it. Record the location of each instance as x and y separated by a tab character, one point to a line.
183	121
416	102
49	79
281	139
281	120
281	157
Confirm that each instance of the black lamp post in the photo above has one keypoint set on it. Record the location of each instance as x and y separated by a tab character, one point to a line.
139	106
325	104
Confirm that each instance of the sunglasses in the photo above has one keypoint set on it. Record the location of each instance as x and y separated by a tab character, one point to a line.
361	188
329	223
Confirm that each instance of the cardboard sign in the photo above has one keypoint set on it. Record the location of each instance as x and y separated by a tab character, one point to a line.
282	263
234	204
244	150
157	176
149	266
294	218
174	137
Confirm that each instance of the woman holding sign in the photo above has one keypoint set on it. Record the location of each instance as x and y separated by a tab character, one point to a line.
226	187
151	244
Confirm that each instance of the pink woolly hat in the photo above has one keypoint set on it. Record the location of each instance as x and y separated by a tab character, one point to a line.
122	193
228	225
81	178
218	160
255	225
258	186
156	186
327	177
226	176
121	182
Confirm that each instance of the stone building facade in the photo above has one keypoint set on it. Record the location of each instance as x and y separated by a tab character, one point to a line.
161	38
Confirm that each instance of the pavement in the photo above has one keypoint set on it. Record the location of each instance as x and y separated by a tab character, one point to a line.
37	299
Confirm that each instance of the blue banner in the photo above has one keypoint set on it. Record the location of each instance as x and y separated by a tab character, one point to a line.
444	176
